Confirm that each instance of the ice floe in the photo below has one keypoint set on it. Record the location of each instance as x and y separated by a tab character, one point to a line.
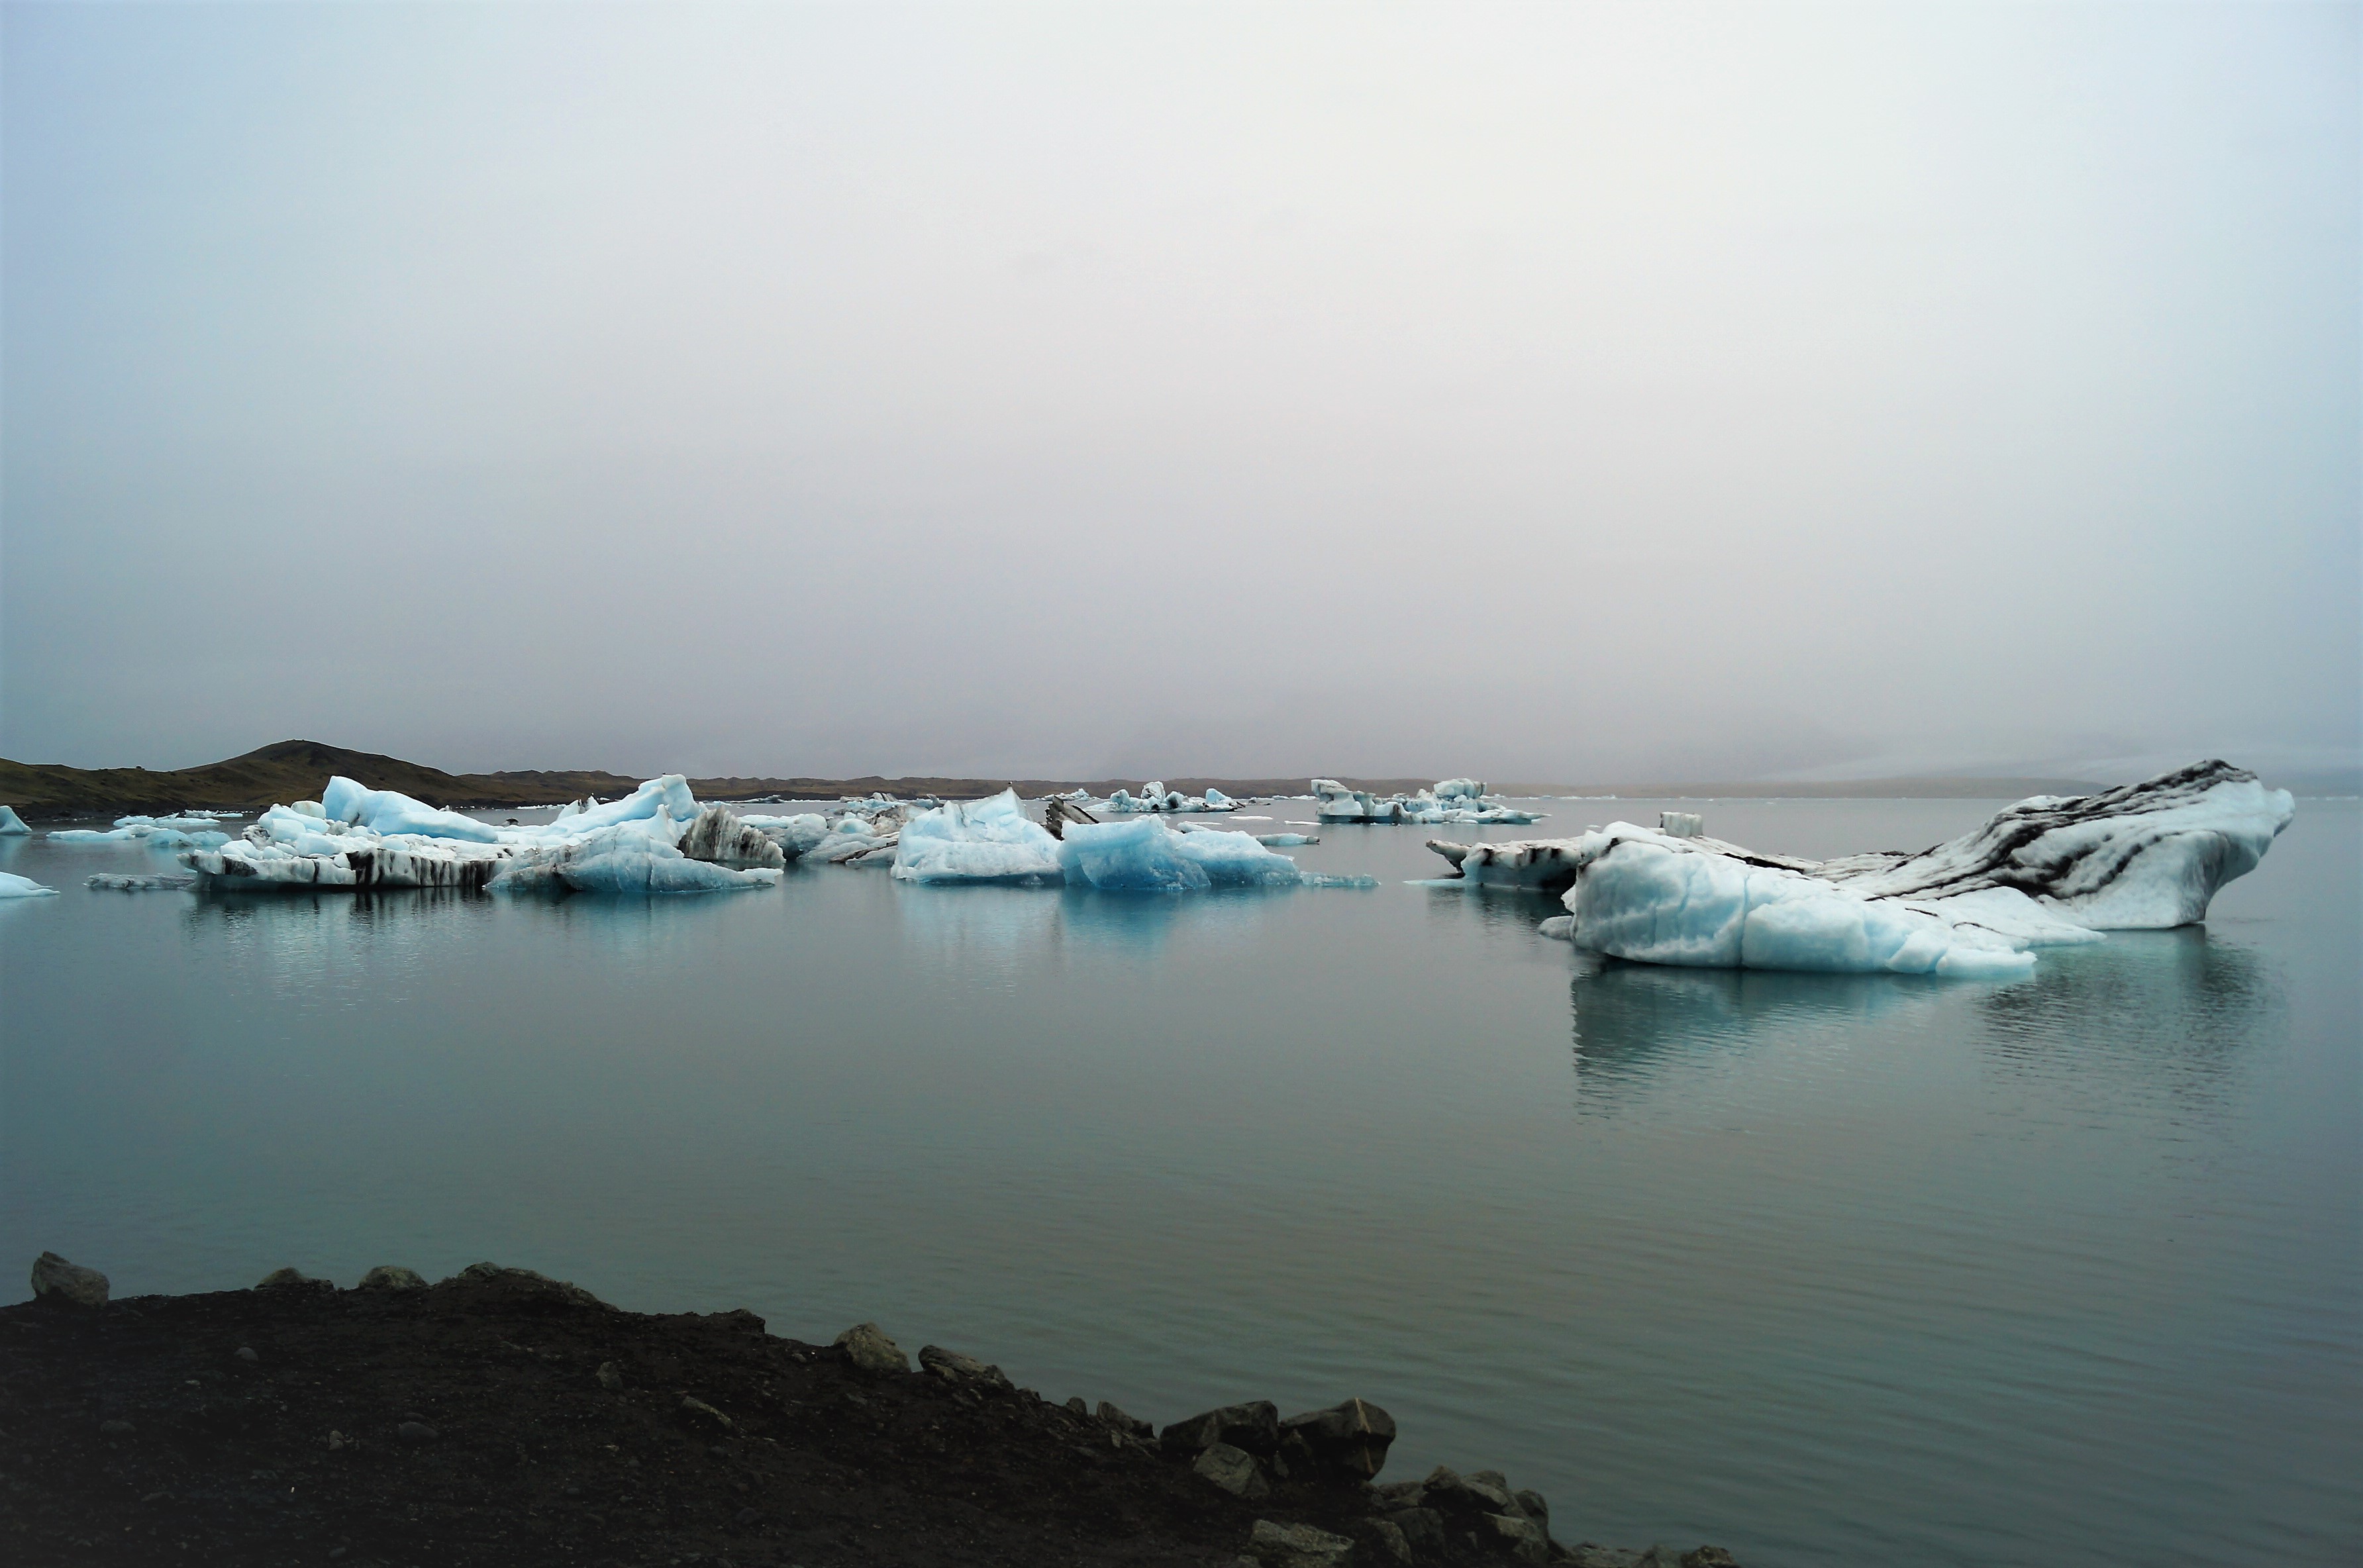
1467	805
2049	870
15	887
991	840
156	833
168	881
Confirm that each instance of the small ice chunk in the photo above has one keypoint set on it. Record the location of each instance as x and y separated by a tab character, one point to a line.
15	887
1681	824
11	823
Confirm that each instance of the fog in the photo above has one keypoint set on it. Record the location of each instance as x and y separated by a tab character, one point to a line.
1551	393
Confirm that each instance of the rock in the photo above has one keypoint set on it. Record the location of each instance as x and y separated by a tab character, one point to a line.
1347	1441
1078	1407
1449	1489
703	1413
116	1429
1130	1426
292	1279
1423	1528
953	1367
1530	1503
417	1431
57	1283
1391	1540
1709	1557
1400	1494
1254	1427
1660	1555
391	1276
1297	1546
335	1441
245	1353
526	1280
746	1517
1523	1537
609	1378
1232	1469
872	1351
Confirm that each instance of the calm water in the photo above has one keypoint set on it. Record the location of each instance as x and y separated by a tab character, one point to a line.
1827	1270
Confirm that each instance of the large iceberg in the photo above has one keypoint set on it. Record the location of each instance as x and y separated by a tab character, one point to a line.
655	840
991	840
2048	870
1462	801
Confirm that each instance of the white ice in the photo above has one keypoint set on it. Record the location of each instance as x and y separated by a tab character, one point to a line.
2049	870
1144	857
11	823
991	840
389	811
1466	805
15	887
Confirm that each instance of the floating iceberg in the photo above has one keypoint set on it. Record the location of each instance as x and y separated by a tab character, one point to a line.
2048	870
15	887
166	883
156	833
1465	805
991	840
655	840
11	823
1144	857
1155	797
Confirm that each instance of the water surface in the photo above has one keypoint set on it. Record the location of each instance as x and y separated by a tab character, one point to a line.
1826	1269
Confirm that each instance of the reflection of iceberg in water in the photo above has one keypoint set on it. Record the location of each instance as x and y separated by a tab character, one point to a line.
1637	1023
2166	1012
2179	1002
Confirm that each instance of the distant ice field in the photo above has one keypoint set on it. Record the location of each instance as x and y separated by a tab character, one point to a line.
1827	1269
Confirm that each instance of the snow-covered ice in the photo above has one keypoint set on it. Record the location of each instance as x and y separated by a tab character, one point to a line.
15	887
2048	870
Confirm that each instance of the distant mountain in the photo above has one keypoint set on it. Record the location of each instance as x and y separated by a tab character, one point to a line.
298	770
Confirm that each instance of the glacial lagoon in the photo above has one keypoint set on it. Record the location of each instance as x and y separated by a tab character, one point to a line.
1826	1269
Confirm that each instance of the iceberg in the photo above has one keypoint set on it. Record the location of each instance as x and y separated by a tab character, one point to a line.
2049	870
1155	797
149	831
168	881
15	887
1465	805
623	857
719	837
1146	858
389	811
991	840
11	823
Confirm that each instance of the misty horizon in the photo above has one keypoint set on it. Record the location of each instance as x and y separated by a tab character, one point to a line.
1588	396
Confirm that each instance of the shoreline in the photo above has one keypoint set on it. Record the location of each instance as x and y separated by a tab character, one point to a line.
502	1417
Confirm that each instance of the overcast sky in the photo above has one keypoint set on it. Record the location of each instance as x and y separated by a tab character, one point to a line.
1546	393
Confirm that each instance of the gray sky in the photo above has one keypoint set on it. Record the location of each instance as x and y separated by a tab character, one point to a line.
1543	392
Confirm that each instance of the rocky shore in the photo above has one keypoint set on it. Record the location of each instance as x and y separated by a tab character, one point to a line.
503	1418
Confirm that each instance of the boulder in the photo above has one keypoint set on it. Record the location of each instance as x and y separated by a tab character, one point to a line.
1254	1426
1347	1441
525	1280
869	1348
697	1412
1391	1540
1400	1494
57	1283
1232	1469
1128	1425
954	1368
610	1377
1709	1557
1530	1503
1297	1546
1446	1488
1423	1528
391	1276
292	1279
1523	1539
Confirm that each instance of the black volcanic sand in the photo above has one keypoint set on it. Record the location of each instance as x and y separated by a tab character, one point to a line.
473	1427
